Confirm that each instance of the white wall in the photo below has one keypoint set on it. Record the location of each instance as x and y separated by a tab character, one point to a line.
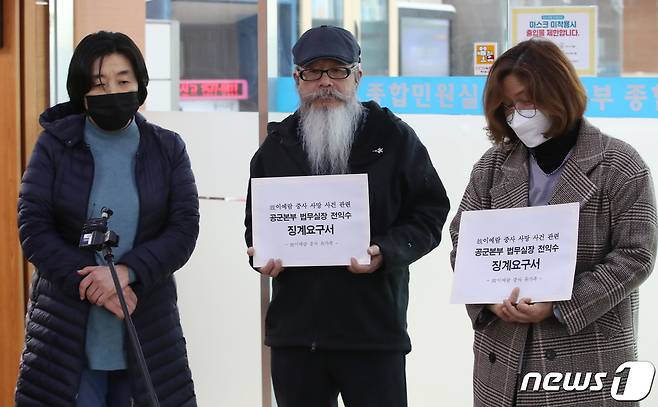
219	293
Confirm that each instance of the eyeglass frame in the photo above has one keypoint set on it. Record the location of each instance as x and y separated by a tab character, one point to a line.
515	109
348	71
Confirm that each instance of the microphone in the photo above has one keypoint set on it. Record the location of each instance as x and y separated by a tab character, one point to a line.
95	235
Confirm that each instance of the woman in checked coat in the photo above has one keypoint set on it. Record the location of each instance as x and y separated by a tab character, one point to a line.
546	153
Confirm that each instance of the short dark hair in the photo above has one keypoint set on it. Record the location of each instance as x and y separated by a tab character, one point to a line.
98	45
551	82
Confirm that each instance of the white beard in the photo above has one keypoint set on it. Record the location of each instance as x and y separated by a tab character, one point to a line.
328	132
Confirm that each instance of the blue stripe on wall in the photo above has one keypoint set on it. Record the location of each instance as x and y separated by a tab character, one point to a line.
462	95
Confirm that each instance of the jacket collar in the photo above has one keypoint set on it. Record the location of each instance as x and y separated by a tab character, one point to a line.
67	124
573	186
286	134
377	137
512	190
64	122
368	140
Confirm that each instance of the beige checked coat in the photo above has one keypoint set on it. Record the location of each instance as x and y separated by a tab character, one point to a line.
616	253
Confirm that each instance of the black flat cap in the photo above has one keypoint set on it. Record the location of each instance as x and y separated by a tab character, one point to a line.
326	41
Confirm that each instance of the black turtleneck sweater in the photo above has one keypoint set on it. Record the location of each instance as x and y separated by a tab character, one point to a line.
551	154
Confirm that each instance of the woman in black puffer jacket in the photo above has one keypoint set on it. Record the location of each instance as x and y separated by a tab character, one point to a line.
96	150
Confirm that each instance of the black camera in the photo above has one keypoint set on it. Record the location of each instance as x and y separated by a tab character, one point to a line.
95	235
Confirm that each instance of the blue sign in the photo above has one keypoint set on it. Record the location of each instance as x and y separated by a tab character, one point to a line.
462	95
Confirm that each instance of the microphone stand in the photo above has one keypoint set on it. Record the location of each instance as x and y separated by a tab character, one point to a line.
132	332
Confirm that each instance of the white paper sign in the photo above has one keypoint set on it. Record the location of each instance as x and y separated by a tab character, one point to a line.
311	220
532	248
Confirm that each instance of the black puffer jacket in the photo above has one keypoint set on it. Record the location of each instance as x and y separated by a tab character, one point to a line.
52	207
329	307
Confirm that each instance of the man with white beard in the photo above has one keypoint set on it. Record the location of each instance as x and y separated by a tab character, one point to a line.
343	329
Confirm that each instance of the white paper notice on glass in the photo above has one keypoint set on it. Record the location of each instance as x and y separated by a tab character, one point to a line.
532	248
321	220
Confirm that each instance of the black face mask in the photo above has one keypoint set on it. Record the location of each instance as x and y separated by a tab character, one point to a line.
112	111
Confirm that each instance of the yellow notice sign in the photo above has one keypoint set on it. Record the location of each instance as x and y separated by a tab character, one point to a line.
484	55
572	28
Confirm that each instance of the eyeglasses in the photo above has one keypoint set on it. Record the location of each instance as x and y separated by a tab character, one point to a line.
334	73
524	109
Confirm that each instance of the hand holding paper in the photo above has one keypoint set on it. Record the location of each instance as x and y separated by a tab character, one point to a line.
272	268
524	311
376	261
527	312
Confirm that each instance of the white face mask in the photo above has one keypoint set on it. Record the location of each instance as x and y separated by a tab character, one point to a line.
530	130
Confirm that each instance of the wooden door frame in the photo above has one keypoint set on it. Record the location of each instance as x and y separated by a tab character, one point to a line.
11	264
24	94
